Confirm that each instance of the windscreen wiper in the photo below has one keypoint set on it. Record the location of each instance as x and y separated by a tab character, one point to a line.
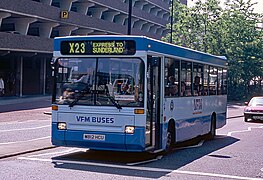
83	91
115	103
77	99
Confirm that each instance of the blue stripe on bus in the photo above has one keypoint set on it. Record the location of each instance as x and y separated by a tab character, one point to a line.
220	119
193	127
113	141
148	44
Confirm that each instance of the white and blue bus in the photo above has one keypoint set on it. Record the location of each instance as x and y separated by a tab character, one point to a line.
133	93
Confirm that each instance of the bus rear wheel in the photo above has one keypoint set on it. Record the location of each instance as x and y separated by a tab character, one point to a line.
212	132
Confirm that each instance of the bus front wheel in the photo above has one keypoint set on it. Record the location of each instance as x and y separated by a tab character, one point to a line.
170	137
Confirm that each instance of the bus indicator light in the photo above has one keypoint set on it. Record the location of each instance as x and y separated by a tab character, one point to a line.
54	107
138	111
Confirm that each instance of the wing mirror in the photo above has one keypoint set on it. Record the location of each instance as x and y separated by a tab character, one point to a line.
246	103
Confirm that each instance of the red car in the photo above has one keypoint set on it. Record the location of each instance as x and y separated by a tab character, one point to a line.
254	109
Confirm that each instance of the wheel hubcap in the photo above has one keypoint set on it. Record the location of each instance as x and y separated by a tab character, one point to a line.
169	140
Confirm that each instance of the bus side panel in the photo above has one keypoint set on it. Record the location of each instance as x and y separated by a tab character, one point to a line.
136	141
189	128
192	115
220	120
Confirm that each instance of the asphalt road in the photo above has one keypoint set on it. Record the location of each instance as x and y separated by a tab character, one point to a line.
235	153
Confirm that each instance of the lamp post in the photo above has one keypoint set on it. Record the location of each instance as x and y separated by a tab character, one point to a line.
129	17
172	12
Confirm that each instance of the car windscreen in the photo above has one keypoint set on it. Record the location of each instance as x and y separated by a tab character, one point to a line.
256	101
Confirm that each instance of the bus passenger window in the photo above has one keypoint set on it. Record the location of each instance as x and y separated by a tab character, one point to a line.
198	79
174	90
224	82
206	71
171	77
220	81
197	86
183	86
186	77
213	81
167	90
188	90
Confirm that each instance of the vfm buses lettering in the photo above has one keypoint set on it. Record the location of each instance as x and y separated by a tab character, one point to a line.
100	120
77	48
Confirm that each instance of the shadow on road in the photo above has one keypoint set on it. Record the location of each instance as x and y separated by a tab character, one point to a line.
116	162
20	104
232	117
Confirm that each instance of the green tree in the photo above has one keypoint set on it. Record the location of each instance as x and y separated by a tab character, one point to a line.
230	32
243	46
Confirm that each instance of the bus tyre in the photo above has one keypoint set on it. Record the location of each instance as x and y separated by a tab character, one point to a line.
170	138
212	132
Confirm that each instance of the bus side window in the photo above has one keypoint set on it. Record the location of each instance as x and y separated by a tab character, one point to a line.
206	71
171	77
167	90
186	77
188	90
213	80
198	79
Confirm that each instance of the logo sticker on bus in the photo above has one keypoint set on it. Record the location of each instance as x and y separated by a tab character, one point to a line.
198	106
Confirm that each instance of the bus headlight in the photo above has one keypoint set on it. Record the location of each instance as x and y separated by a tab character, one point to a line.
129	129
62	126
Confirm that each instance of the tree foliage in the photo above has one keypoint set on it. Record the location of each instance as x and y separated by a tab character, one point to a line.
229	32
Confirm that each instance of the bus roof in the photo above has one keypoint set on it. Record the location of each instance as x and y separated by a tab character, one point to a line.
144	43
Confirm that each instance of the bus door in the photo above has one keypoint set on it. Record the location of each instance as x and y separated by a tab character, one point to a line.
153	102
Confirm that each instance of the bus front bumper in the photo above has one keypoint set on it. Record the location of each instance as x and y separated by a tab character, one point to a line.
111	141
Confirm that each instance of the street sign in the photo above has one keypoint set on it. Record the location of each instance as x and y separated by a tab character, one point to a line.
64	14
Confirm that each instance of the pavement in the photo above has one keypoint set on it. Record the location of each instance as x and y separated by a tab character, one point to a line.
8	104
41	105
235	109
24	107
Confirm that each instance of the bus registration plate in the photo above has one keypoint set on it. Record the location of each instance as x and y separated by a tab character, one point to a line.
95	137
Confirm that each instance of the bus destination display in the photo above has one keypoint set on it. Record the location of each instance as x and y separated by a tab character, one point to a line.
123	47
